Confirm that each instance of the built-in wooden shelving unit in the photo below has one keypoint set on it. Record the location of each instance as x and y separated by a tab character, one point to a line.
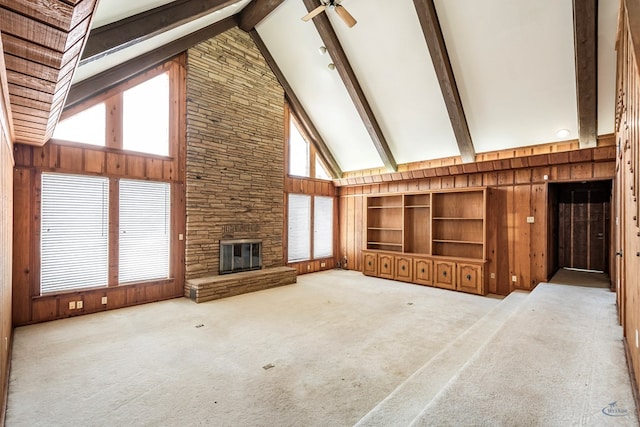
431	238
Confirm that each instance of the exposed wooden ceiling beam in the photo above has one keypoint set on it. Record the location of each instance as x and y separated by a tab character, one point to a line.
137	28
298	110
107	79
255	12
330	40
440	57
585	31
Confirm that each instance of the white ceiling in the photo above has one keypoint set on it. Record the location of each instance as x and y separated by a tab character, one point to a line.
513	61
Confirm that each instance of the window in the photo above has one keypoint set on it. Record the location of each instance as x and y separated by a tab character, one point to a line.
144	124
322	227
302	224
144	230
321	171
299	227
146	117
304	160
298	151
75	232
87	126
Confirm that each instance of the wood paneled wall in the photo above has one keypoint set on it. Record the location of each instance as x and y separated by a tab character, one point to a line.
6	238
56	156
627	207
519	248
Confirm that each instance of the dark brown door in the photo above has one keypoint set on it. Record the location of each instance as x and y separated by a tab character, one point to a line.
584	223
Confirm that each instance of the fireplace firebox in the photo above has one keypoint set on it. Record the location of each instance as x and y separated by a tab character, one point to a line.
240	255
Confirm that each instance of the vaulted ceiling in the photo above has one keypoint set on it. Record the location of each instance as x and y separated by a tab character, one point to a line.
414	80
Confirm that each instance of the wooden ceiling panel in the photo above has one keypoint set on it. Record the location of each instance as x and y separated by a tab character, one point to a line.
43	40
30	68
18	109
31	51
51	12
30	29
41	85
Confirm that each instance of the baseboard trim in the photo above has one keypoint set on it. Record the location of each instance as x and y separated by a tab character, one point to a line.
632	377
5	394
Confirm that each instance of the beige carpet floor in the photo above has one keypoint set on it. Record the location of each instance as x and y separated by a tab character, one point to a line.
322	352
336	349
559	361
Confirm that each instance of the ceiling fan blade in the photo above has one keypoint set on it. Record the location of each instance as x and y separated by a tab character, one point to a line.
314	12
346	16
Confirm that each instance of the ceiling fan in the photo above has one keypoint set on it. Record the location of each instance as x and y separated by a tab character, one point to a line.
334	4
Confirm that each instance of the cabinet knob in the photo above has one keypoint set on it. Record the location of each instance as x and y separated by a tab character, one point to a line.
404	268
444	273
386	265
422	271
369	263
468	277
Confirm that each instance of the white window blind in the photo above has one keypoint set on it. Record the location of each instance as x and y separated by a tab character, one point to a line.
144	230
322	227
74	232
299	228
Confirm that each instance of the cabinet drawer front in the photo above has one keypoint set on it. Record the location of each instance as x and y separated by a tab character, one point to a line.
445	276
404	269
370	264
470	278
422	269
385	266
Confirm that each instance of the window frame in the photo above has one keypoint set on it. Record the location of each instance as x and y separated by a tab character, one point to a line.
312	227
115	163
314	154
114	108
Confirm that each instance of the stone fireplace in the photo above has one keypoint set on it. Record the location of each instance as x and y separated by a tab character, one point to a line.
234	170
240	255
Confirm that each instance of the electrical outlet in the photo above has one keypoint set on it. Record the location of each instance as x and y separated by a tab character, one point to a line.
546	177
514	278
79	304
72	305
180	236
104	300
493	275
530	220
308	267
323	264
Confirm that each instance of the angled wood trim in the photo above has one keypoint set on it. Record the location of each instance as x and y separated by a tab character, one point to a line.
107	79
137	28
440	57
255	12
330	40
6	119
298	110
585	32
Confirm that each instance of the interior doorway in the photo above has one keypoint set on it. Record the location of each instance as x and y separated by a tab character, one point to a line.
580	225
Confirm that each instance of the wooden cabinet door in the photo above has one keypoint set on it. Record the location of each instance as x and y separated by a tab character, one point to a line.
422	269
470	278
404	268
445	274
385	266
370	263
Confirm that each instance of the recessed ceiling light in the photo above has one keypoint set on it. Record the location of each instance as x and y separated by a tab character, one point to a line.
563	133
